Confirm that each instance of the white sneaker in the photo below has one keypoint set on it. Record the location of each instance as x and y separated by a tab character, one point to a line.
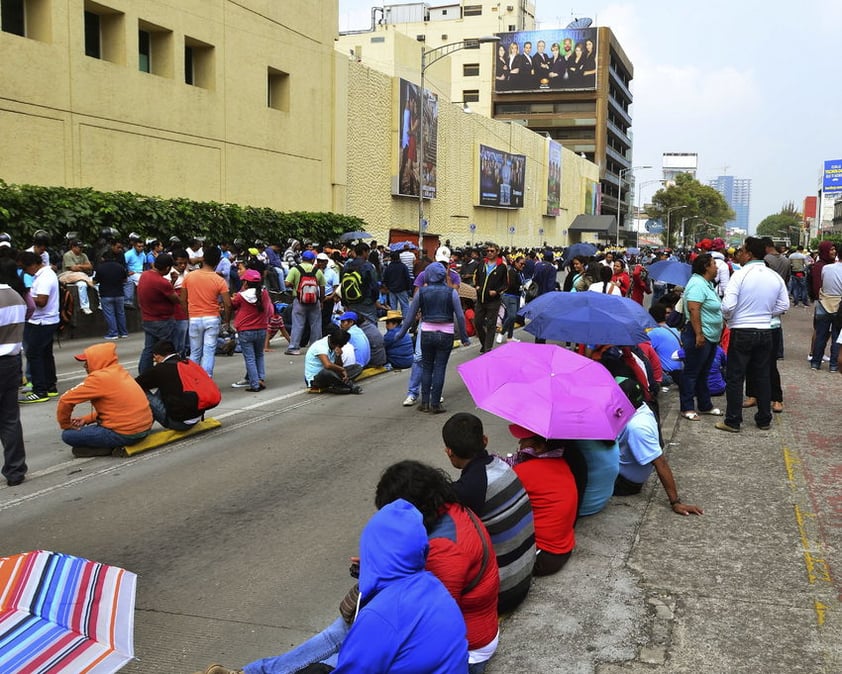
826	359
243	383
499	338
86	310
410	401
514	339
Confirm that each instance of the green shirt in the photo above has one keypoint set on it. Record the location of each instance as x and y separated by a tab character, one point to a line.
699	289
292	278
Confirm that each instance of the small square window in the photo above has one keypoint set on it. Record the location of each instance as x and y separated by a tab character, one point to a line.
198	63
472	10
144	47
278	89
470	70
13	17
27	18
470	95
105	35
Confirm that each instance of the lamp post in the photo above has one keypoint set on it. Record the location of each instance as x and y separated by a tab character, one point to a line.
639	207
683	220
620	174
428	58
670	210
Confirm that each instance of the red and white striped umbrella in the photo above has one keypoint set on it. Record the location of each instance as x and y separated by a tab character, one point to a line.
60	613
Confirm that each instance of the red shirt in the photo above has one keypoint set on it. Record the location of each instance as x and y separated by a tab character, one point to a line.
551	488
248	317
153	293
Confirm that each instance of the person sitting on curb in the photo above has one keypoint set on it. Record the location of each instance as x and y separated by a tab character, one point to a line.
170	407
399	352
121	413
356	337
490	488
640	452
323	365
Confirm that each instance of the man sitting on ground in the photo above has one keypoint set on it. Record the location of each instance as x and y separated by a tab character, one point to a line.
121	413
399	352
170	406
323	365
490	488
356	337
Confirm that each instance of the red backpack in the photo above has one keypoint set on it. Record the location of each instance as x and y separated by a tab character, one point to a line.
196	382
308	286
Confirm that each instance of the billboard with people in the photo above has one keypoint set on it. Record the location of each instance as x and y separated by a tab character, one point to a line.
546	60
553	177
412	172
502	177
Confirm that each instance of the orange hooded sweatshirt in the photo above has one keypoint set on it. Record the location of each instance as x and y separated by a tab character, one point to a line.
119	403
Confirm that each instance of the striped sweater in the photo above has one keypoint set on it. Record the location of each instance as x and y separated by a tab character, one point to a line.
12	318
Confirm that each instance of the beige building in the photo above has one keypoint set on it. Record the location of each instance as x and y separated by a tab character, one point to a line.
204	99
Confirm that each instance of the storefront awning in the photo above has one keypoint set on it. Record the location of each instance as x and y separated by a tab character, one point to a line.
603	224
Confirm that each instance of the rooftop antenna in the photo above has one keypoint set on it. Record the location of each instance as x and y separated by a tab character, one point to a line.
725	168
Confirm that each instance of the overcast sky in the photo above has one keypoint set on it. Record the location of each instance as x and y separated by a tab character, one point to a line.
751	85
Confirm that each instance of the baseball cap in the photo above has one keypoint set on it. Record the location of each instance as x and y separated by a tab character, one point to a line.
308	255
349	316
251	275
521	433
443	254
323	256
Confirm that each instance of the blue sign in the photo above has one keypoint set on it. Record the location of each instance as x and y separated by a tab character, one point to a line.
512	229
541	232
424	224
832	183
472	227
654	226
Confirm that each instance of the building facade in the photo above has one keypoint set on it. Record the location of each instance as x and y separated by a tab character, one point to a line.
673	163
737	192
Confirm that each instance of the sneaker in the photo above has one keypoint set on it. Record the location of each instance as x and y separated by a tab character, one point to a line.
437	410
513	339
52	394
356	389
86	310
722	426
243	383
499	338
87	452
33	398
665	389
423	408
292	352
124	336
410	401
15	481
826	359
111	337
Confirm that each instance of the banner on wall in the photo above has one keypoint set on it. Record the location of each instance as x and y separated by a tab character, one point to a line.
502	177
592	197
410	170
832	182
546	60
553	177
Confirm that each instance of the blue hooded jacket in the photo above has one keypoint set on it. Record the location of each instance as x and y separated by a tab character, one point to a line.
409	623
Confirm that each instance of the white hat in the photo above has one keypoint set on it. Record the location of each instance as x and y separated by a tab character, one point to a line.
323	256
443	254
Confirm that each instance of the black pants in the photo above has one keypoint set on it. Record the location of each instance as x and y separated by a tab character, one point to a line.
329	380
485	322
749	352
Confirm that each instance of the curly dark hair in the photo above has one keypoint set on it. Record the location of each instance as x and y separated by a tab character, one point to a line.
427	488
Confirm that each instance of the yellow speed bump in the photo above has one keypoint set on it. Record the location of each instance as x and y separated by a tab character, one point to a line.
166	436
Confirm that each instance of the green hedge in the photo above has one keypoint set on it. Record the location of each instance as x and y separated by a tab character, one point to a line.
58	210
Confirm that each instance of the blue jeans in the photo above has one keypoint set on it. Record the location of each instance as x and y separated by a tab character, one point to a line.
693	381
159	413
204	331
251	343
153	332
414	387
748	351
435	352
11	432
181	337
82	288
129	286
301	314
39	356
114	312
399	301
94	435
799	289
318	648
512	304
823	324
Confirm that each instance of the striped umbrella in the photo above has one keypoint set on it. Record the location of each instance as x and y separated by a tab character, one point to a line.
60	613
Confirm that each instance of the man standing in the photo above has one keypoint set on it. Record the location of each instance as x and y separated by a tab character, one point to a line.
40	329
824	320
135	259
364	299
754	295
327	267
157	299
798	276
12	320
110	276
491	280
200	295
308	286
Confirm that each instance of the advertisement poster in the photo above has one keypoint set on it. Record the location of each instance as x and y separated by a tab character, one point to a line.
502	177
553	177
593	197
546	60
410	170
832	183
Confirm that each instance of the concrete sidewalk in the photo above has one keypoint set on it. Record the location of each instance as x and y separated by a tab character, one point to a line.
752	585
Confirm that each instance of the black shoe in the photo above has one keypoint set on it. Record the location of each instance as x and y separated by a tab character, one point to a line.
423	408
356	389
765	427
437	410
87	452
15	481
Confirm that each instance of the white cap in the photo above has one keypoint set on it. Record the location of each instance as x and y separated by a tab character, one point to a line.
443	254
323	256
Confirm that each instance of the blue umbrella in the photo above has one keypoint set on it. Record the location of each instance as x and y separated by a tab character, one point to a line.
350	236
400	245
586	249
588	318
670	271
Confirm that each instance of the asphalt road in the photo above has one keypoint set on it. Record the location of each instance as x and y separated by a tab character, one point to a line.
240	537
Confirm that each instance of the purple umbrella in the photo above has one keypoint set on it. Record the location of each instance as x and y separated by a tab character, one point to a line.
553	392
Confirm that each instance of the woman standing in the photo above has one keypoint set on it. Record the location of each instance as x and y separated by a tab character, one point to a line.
702	330
621	277
253	311
439	305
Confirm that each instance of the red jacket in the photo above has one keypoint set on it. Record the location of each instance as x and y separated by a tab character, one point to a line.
552	492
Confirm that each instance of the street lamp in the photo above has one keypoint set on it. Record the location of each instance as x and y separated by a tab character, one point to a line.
683	220
639	207
620	174
428	58
670	210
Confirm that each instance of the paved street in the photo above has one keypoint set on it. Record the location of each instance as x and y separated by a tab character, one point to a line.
240	537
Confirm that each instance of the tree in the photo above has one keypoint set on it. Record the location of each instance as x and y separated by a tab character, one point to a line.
700	206
785	224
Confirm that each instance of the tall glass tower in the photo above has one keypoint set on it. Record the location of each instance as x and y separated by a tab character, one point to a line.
737	192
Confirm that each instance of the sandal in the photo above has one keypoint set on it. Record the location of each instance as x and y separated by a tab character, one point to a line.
713	411
777	408
750	402
690	416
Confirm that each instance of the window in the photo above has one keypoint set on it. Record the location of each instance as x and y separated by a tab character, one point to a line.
144	42
27	18
278	89
472	10
198	63
512	28
470	69
105	36
470	95
154	49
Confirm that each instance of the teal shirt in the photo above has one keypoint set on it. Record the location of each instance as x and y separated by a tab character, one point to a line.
701	290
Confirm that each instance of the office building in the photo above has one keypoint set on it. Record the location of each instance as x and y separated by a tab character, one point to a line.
737	192
673	163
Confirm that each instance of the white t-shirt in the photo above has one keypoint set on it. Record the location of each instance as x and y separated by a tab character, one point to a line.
598	287
45	283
